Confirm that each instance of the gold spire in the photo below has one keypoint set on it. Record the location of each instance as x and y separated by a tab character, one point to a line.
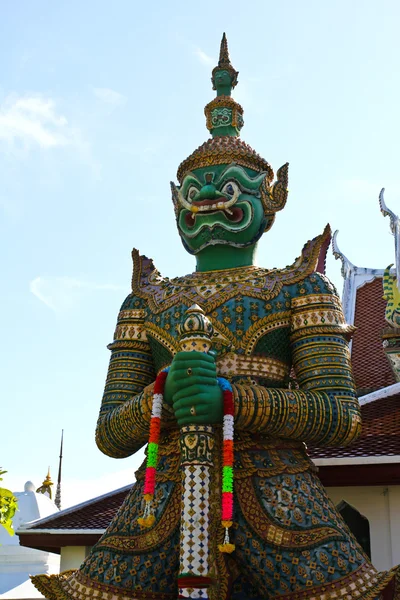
57	500
224	53
45	488
224	63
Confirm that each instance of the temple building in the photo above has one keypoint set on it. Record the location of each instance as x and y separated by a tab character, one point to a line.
363	480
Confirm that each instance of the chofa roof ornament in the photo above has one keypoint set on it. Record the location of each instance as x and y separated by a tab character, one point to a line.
347	265
395	230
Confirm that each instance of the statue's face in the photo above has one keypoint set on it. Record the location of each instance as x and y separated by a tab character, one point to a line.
219	205
222	79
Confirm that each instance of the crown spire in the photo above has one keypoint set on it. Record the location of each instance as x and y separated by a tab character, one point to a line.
224	115
224	85
224	53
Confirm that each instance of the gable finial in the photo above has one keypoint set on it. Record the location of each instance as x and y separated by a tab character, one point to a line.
347	265
57	500
395	230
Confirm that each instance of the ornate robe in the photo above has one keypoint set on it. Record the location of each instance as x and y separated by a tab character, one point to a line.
281	340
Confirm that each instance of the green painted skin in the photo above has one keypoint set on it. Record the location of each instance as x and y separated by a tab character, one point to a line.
216	228
200	390
222	82
217	243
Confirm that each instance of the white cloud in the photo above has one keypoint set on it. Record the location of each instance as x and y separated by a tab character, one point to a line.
110	96
28	122
61	294
34	120
204	58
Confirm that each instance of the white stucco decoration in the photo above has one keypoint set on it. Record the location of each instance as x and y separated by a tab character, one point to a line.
18	562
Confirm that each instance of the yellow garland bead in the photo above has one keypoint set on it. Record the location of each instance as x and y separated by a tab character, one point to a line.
227	548
147	521
226	524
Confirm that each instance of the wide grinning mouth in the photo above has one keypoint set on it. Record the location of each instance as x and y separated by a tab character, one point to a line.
234	214
210	206
224	203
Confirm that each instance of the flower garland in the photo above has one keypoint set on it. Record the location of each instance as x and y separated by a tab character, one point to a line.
227	464
148	518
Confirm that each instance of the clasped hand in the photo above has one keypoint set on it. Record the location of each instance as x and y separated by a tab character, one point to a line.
191	388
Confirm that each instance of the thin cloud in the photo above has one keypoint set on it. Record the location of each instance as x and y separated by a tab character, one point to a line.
209	61
61	294
110	96
34	121
30	122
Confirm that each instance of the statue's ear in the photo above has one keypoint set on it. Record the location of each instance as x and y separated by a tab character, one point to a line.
270	221
175	200
274	196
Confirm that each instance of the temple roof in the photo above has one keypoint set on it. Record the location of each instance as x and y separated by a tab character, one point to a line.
93	514
371	367
380	436
78	525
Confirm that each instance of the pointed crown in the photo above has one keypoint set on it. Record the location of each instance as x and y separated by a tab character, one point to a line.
224	117
224	63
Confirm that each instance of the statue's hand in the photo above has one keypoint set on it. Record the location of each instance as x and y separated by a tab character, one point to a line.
192	389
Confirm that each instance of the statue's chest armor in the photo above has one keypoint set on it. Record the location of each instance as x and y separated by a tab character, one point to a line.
251	336
250	308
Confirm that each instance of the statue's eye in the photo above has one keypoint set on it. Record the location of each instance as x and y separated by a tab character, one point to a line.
229	189
192	192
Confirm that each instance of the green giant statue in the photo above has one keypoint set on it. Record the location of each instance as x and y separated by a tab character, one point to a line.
229	506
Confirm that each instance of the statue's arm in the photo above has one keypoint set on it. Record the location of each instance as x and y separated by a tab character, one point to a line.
123	423
324	410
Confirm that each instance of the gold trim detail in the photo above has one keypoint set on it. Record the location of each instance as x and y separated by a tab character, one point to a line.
130	332
223	102
162	293
263	326
224	150
231	365
162	336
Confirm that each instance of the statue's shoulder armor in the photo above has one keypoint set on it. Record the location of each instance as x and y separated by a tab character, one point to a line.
133	302
211	289
146	279
310	262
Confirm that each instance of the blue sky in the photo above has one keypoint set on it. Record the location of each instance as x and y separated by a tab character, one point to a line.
99	103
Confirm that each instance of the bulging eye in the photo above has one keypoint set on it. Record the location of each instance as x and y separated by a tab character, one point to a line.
192	192
230	188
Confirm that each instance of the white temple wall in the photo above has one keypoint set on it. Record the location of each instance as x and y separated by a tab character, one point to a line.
72	557
381	506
